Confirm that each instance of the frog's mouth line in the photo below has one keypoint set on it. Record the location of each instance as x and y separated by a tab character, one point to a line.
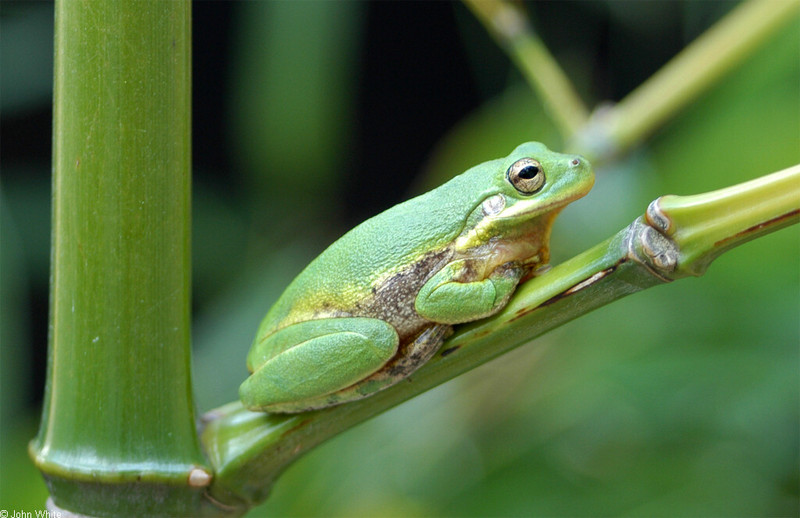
526	211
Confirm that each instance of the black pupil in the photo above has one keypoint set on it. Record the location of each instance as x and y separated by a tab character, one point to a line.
528	172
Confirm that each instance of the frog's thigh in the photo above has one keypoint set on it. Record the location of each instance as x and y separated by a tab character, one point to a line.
327	355
411	357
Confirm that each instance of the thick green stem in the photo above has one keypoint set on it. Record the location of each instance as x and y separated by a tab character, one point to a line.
118	427
251	449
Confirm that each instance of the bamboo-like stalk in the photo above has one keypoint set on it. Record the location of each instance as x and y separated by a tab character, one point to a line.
677	237
118	427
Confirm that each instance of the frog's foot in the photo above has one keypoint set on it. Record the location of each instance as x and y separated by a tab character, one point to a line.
299	365
448	299
409	358
414	354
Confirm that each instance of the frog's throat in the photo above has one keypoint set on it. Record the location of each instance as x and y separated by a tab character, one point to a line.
535	226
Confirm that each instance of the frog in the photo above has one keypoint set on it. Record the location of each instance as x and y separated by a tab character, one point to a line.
380	301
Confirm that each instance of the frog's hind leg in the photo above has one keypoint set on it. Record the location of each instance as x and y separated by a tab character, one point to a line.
303	362
409	358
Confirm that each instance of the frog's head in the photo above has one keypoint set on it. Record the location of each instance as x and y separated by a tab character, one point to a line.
522	195
533	180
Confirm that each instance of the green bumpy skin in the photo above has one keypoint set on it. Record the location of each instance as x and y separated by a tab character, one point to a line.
379	302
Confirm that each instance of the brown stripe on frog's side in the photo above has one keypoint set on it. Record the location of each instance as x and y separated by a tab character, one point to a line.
393	298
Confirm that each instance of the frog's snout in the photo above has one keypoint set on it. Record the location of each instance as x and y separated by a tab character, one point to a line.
582	169
579	162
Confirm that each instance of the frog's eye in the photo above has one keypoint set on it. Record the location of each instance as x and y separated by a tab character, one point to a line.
526	175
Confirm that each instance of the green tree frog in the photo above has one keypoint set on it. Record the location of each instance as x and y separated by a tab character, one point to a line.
379	302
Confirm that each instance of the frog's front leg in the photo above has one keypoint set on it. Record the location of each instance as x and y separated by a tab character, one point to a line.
448	300
310	359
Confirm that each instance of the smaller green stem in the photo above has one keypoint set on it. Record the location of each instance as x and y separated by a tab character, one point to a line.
512	30
698	67
703	226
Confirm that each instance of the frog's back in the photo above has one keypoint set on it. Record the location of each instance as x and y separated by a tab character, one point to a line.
344	275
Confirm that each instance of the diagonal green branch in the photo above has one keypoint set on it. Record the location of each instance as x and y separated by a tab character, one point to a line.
249	450
696	69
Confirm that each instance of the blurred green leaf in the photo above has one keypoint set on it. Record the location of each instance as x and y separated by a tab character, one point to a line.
29	26
220	231
14	359
22	487
294	80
